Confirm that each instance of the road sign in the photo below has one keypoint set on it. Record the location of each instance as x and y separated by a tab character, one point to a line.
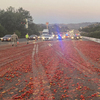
47	23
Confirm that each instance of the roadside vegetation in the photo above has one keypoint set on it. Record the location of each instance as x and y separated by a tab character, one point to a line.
91	31
13	20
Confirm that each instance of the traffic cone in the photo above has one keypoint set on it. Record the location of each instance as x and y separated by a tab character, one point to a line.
17	42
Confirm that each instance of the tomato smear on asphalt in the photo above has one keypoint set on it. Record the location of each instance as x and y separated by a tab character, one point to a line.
51	72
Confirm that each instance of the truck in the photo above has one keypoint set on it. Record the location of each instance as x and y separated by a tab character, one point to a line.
45	32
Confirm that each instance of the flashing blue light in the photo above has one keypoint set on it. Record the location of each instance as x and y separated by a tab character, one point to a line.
59	37
66	34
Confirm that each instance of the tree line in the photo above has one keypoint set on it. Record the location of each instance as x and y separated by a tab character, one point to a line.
14	20
91	31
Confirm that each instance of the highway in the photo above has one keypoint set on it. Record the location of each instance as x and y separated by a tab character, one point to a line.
50	70
22	40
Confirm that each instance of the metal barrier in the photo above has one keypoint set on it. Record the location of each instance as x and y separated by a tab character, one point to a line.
92	39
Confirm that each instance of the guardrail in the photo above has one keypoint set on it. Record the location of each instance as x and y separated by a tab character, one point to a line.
92	39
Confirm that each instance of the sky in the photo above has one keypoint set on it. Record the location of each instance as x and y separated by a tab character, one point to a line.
58	11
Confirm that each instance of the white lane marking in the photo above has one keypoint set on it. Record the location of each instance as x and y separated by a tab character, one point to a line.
39	75
36	48
33	51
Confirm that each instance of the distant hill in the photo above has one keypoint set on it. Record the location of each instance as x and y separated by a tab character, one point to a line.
78	25
75	26
91	30
93	25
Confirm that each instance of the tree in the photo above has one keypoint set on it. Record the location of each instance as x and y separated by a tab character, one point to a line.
33	29
10	9
41	27
91	31
3	31
13	20
18	33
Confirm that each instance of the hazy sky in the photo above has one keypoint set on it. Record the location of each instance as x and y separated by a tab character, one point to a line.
58	11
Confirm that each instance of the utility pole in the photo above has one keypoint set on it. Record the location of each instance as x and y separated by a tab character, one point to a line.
26	25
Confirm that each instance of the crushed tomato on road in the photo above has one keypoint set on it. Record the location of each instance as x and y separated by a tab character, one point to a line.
50	70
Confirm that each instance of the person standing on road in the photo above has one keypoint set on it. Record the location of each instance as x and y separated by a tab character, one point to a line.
27	37
14	39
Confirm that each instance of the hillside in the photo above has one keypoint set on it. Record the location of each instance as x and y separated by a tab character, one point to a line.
78	25
70	26
91	30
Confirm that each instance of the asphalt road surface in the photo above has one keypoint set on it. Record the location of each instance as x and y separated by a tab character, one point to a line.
50	70
24	40
9	42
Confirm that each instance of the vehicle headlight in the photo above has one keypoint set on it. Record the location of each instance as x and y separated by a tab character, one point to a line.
50	37
8	38
42	37
80	36
1	38
77	37
63	37
72	37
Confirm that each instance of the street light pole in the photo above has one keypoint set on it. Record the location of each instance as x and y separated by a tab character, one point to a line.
26	25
